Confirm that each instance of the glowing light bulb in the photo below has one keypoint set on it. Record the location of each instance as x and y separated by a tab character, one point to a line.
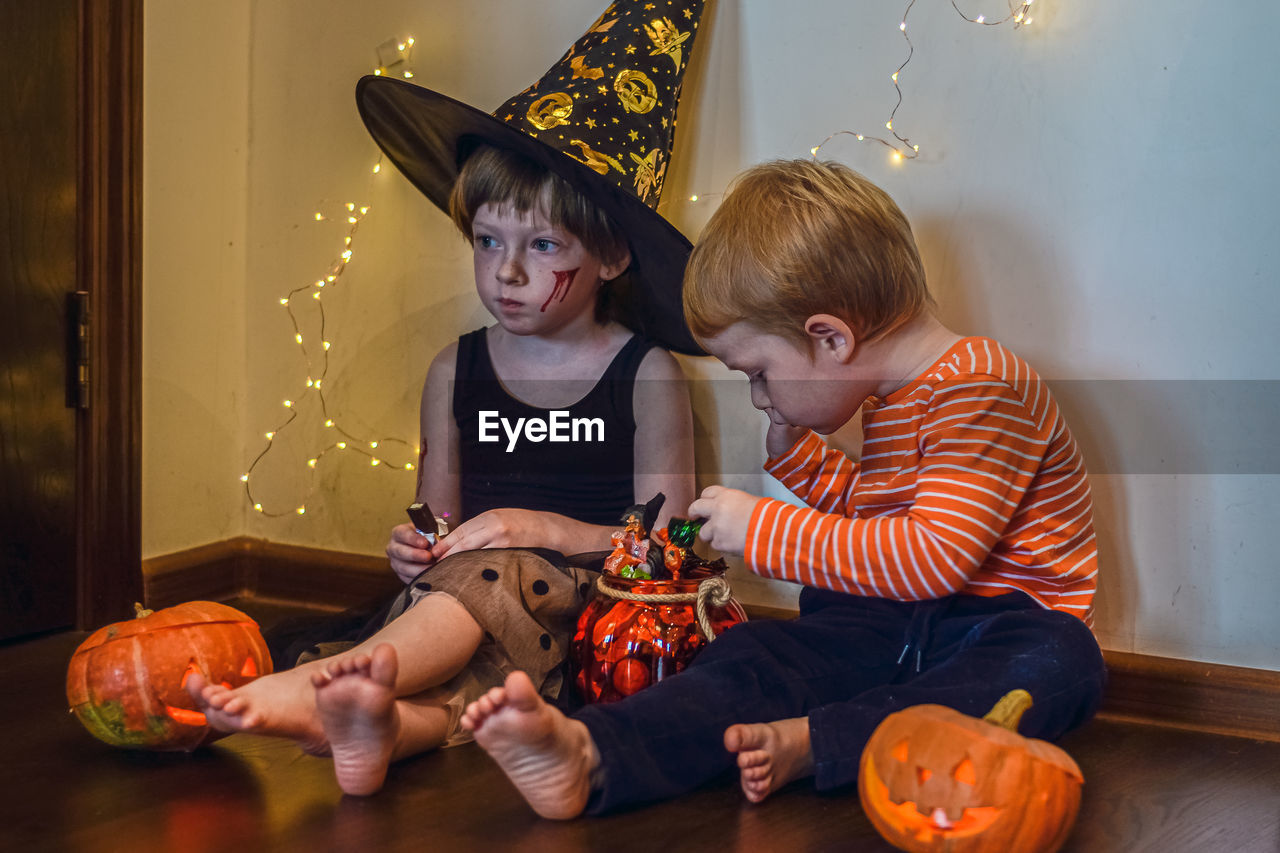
889	124
400	46
298	338
329	423
894	77
342	445
288	404
982	19
270	436
319	217
408	466
364	210
693	197
897	156
377	72
244	478
408	74
302	510
814	151
312	462
903	26
258	507
861	137
351	205
409	40
375	462
326	346
317	383
284	301
377	167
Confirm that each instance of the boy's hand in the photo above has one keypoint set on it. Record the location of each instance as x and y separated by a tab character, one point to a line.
409	551
497	528
727	513
781	436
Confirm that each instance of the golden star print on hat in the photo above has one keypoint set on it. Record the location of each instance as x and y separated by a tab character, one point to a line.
603	118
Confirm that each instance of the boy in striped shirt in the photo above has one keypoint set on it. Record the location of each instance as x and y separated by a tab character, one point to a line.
954	561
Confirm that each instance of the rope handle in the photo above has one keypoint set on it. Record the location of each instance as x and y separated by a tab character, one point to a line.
712	592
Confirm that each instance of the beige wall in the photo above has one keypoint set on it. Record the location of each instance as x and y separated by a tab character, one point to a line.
1085	192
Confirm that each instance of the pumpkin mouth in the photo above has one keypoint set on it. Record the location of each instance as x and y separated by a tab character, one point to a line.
924	827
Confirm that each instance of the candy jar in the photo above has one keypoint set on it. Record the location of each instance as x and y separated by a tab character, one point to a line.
636	632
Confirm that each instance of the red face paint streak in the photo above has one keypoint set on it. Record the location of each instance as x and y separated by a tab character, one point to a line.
564	278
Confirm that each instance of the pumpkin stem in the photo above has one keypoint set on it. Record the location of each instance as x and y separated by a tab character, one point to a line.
1009	710
141	612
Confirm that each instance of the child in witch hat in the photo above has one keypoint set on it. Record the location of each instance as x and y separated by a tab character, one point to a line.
537	432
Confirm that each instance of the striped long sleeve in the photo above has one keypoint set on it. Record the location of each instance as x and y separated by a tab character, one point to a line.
969	482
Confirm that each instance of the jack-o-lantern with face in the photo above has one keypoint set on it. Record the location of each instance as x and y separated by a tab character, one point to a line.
934	779
127	681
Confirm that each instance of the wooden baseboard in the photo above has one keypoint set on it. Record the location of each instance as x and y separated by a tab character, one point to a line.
1145	689
1185	694
256	568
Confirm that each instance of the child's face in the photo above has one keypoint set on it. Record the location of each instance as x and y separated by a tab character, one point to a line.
787	383
533	277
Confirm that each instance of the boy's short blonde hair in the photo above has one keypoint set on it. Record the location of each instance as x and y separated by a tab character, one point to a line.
500	177
798	238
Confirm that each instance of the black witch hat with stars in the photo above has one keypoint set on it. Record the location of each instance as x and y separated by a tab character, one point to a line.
603	118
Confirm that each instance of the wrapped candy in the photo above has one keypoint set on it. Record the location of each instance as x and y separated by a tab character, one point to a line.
642	623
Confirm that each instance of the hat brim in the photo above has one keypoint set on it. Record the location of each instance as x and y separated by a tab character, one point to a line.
428	135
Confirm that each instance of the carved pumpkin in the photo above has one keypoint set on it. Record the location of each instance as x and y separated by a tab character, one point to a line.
126	682
934	779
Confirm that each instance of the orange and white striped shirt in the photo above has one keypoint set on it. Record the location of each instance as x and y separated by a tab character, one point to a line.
969	482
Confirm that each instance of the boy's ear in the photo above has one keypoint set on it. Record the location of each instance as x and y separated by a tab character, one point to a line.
616	267
830	336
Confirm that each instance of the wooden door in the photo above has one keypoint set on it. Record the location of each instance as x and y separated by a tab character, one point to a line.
69	474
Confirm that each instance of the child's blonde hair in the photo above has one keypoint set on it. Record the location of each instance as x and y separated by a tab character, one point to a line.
798	238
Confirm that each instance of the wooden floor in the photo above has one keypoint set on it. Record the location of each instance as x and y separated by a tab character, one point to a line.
1146	789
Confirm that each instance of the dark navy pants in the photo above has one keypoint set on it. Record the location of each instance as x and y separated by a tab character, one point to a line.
846	663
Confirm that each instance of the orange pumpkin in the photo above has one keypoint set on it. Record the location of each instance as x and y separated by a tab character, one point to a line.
934	779
127	682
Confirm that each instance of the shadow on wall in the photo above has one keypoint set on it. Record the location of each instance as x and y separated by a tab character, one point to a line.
708	144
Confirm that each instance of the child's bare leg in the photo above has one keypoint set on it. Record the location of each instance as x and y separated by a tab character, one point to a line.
548	756
433	640
366	725
770	755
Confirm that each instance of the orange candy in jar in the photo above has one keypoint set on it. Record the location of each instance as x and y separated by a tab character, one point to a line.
622	646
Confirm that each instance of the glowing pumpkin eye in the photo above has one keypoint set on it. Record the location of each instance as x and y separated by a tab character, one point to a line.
923	774
250	668
899	752
965	773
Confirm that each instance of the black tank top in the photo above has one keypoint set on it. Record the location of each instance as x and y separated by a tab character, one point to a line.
577	461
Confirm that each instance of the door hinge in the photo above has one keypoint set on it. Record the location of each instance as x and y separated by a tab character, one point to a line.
78	362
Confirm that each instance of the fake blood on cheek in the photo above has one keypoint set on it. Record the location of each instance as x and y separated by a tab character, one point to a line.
564	281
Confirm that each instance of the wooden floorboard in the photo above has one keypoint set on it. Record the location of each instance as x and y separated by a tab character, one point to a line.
1147	789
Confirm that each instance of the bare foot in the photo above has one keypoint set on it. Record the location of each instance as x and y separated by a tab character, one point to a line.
770	755
548	756
277	705
355	698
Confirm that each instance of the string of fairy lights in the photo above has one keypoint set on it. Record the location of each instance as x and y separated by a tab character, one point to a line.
901	147
394	57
